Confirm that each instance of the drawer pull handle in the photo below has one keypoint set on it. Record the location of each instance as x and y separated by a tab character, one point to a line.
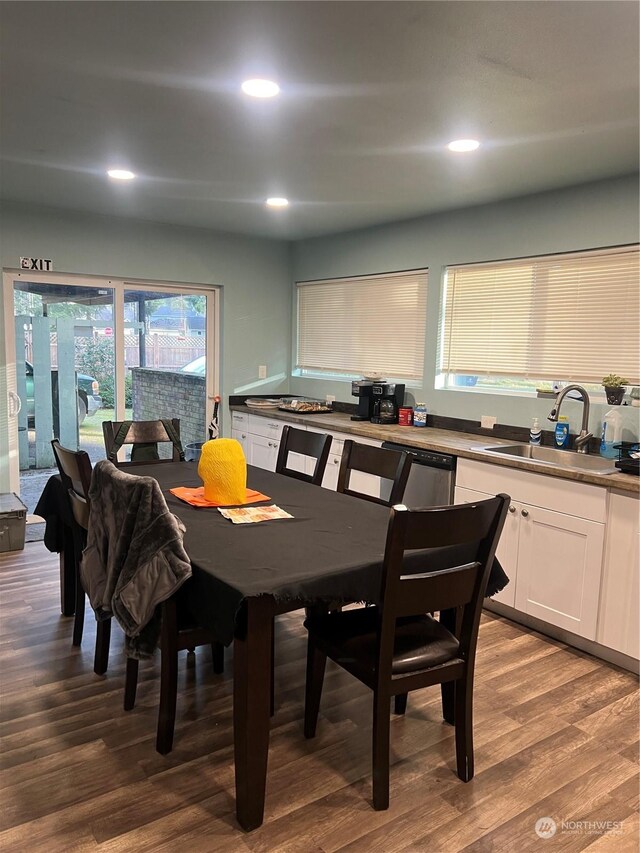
524	513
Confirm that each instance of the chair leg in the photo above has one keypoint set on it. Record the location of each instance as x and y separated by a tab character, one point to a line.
130	684
103	640
272	699
450	620
217	653
380	750
78	620
168	678
316	662
447	689
400	703
464	727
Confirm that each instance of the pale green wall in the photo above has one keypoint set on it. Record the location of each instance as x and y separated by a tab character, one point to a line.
254	274
598	214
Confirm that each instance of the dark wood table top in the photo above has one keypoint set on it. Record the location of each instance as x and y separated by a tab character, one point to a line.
331	550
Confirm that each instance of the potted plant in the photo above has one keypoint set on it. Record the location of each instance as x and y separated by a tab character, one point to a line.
614	388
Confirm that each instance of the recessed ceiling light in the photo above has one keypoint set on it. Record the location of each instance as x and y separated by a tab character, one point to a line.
277	202
121	174
260	88
463	145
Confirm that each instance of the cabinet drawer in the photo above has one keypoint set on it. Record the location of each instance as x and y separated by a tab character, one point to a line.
239	420
267	427
568	496
339	439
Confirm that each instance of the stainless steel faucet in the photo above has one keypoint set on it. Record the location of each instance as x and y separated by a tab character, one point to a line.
582	441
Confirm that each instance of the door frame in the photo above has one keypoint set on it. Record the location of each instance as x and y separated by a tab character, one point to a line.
212	292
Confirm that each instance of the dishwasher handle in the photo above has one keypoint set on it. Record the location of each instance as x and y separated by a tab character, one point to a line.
430	458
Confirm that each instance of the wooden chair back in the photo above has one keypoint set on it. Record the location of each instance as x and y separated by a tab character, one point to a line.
391	465
147	433
466	537
75	471
314	444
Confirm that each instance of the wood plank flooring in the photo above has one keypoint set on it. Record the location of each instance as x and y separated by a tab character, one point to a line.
556	736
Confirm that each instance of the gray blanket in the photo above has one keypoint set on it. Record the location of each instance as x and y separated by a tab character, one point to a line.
134	559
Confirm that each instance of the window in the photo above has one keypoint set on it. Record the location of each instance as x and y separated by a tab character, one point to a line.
516	324
350	326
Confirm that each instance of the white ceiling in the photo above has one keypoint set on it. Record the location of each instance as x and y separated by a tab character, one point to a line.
371	94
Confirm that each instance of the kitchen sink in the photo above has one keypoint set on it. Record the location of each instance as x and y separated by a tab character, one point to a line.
551	456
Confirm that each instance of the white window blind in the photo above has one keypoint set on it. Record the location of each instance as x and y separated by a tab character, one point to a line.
355	325
572	316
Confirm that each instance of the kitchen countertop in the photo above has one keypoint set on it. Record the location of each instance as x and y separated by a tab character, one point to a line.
461	444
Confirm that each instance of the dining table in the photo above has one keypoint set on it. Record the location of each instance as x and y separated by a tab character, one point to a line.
329	552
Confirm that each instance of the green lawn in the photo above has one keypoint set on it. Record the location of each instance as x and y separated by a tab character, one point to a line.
92	427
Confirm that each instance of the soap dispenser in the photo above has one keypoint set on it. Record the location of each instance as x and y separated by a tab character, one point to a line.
535	433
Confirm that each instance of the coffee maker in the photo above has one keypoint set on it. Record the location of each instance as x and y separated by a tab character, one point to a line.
363	390
387	397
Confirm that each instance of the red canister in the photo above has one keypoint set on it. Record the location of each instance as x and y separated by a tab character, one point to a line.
405	416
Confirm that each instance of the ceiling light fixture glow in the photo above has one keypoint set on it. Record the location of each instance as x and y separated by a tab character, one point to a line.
277	202
463	145
260	88
121	174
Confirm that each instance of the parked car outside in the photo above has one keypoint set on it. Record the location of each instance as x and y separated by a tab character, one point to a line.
197	366
88	398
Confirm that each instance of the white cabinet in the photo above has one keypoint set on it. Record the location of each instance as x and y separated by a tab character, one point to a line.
619	618
330	480
507	551
240	430
365	483
552	543
263	452
263	443
558	569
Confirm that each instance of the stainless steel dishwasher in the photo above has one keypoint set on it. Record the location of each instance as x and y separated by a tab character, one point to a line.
431	479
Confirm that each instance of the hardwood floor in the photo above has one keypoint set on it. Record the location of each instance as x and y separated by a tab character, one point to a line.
556	736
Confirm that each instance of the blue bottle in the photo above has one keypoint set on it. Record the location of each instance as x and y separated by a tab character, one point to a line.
420	415
562	432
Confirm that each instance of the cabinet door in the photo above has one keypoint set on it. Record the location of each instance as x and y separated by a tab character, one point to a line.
507	551
619	619
330	480
263	452
559	568
241	436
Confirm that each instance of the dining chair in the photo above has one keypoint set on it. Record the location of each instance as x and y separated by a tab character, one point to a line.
144	437
395	647
75	472
313	444
390	465
179	632
316	445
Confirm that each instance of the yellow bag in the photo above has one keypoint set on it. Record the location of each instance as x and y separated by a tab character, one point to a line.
223	470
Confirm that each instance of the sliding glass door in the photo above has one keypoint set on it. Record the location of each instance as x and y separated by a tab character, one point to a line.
165	359
87	351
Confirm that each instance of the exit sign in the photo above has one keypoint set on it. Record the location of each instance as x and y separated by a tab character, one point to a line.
41	264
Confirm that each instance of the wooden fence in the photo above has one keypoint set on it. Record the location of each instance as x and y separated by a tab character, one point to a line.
164	352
